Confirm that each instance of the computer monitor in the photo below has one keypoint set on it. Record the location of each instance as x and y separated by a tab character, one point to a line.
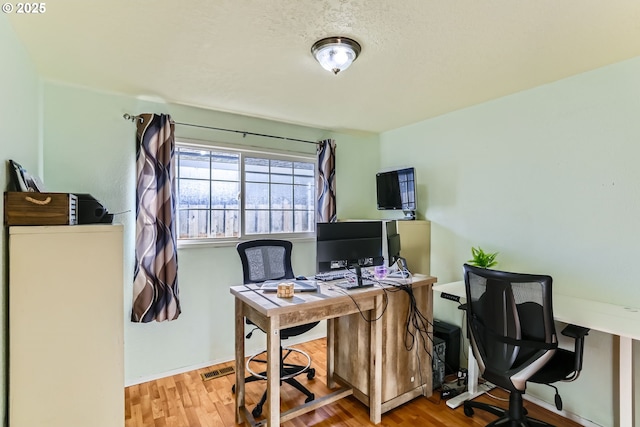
392	243
349	245
396	189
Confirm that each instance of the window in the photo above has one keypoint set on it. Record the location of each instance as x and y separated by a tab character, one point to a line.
231	194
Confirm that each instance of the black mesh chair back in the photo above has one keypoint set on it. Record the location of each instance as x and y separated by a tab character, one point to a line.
513	337
266	259
270	259
510	323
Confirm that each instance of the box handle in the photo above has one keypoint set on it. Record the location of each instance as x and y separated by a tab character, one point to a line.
38	202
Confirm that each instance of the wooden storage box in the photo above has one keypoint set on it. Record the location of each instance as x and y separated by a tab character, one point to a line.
27	208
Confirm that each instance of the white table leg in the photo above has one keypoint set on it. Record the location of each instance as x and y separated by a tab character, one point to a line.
626	382
473	388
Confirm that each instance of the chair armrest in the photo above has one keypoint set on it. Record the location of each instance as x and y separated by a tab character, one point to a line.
577	333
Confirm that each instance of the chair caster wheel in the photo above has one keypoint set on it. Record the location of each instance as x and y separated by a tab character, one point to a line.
468	411
310	398
233	389
257	411
311	373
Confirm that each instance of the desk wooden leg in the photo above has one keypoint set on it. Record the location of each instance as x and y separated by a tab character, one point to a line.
331	360
375	364
239	328
626	382
273	371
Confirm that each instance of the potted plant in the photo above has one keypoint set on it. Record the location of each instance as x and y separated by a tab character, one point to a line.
482	259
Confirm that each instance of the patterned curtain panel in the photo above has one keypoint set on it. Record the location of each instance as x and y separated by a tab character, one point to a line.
326	186
155	280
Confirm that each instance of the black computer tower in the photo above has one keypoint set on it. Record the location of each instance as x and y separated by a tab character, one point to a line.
438	365
451	336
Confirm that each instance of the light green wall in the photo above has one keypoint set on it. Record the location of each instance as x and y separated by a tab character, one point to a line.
550	179
89	147
19	141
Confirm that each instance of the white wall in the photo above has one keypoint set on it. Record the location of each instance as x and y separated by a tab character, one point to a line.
19	141
550	179
90	148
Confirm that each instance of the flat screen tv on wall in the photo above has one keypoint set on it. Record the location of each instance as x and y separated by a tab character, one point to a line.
396	190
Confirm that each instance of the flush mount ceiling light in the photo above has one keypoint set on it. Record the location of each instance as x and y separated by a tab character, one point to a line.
335	53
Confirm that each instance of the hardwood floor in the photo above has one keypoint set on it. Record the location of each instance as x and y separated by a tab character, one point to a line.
185	400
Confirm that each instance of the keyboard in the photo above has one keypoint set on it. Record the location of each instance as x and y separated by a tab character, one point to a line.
347	284
332	275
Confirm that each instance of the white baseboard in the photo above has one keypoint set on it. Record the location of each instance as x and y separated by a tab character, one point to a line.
140	380
315	333
569	415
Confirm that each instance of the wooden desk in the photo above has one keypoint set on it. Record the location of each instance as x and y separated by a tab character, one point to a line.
271	314
608	318
406	373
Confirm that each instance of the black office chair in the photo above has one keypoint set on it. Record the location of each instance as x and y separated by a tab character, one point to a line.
512	333
269	259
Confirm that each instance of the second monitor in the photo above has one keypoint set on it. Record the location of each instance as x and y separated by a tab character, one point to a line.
349	245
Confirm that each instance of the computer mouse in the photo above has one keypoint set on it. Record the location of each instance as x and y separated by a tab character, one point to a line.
301	278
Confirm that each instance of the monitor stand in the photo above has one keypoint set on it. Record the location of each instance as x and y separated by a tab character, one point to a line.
358	284
402	271
409	215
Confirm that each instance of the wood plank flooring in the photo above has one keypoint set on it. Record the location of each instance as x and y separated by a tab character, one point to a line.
185	400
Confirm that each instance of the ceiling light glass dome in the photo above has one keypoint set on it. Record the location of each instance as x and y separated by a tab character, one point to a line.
335	54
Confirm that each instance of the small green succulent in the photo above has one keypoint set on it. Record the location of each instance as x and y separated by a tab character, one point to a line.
482	259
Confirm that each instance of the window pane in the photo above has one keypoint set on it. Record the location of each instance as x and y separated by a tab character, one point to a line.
281	196
303	196
256	221
225	167
281	171
225	195
256	170
304	169
304	180
257	196
282	179
193	163
281	166
225	223
193	193
304	221
256	177
281	221
192	224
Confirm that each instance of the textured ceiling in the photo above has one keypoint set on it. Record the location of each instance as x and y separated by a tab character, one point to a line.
420	58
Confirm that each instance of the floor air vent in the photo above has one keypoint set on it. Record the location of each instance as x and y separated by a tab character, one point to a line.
217	373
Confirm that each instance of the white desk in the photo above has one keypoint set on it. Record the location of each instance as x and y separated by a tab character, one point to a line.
623	322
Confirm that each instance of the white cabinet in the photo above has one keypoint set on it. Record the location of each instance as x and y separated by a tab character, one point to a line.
66	326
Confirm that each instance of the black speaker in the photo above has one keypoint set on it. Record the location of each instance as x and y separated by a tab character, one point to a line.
451	336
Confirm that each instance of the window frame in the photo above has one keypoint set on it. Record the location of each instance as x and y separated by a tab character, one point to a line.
243	152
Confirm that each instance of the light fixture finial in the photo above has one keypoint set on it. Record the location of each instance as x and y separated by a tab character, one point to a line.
336	54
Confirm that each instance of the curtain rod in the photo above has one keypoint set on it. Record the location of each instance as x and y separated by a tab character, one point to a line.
132	118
